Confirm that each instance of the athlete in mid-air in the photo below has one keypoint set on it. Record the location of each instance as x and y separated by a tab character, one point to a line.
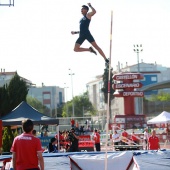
84	33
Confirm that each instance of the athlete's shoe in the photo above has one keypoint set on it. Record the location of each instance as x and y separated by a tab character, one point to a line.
92	50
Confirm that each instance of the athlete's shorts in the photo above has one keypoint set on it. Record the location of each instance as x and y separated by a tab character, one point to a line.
83	37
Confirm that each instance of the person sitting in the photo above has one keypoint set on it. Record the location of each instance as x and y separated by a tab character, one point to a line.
124	137
82	130
52	148
134	139
116	138
60	138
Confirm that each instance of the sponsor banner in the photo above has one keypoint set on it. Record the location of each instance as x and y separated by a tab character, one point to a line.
127	85
84	138
128	76
130	94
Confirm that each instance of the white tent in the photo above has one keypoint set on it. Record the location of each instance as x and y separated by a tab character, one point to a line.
164	117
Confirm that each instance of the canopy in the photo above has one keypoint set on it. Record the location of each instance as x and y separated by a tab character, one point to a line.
164	117
25	111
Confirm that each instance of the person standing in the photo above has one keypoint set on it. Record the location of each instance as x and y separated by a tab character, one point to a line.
74	139
96	139
84	33
145	137
72	122
153	141
27	150
34	132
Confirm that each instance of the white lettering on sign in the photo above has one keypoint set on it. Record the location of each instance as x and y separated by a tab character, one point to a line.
136	93
132	85
25	138
128	76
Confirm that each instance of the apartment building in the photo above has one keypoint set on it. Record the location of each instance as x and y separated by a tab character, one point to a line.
153	73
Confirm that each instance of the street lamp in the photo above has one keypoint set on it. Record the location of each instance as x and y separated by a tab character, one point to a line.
71	74
43	97
138	49
66	98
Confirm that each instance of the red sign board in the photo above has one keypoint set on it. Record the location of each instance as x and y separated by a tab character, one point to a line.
127	85
130	94
128	76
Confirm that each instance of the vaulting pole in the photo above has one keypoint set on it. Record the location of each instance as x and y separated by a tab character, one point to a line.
108	98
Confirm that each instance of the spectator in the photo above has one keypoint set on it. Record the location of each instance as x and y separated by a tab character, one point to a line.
146	137
34	132
134	138
52	146
72	122
26	149
124	137
44	127
74	139
61	139
96	139
77	130
42	133
153	141
45	134
81	130
116	138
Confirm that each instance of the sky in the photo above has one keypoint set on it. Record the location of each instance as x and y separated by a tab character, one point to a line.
36	40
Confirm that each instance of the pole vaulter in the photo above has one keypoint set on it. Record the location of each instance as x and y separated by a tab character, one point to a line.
84	33
108	96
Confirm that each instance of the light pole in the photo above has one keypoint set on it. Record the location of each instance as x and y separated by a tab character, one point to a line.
43	97
137	49
71	74
66	98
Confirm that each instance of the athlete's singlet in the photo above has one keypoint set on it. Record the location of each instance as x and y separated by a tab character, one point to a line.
84	31
84	25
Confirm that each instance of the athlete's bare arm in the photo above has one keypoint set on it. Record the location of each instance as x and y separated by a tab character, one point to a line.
90	14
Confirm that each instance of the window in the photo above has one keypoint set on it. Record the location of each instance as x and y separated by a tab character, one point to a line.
153	78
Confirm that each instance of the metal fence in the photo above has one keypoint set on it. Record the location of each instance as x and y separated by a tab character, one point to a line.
152	109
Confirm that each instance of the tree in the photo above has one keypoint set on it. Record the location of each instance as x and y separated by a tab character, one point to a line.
57	111
37	104
4	101
81	104
12	95
8	137
17	91
105	84
161	97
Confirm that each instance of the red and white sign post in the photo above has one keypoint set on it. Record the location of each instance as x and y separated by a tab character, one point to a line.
127	85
